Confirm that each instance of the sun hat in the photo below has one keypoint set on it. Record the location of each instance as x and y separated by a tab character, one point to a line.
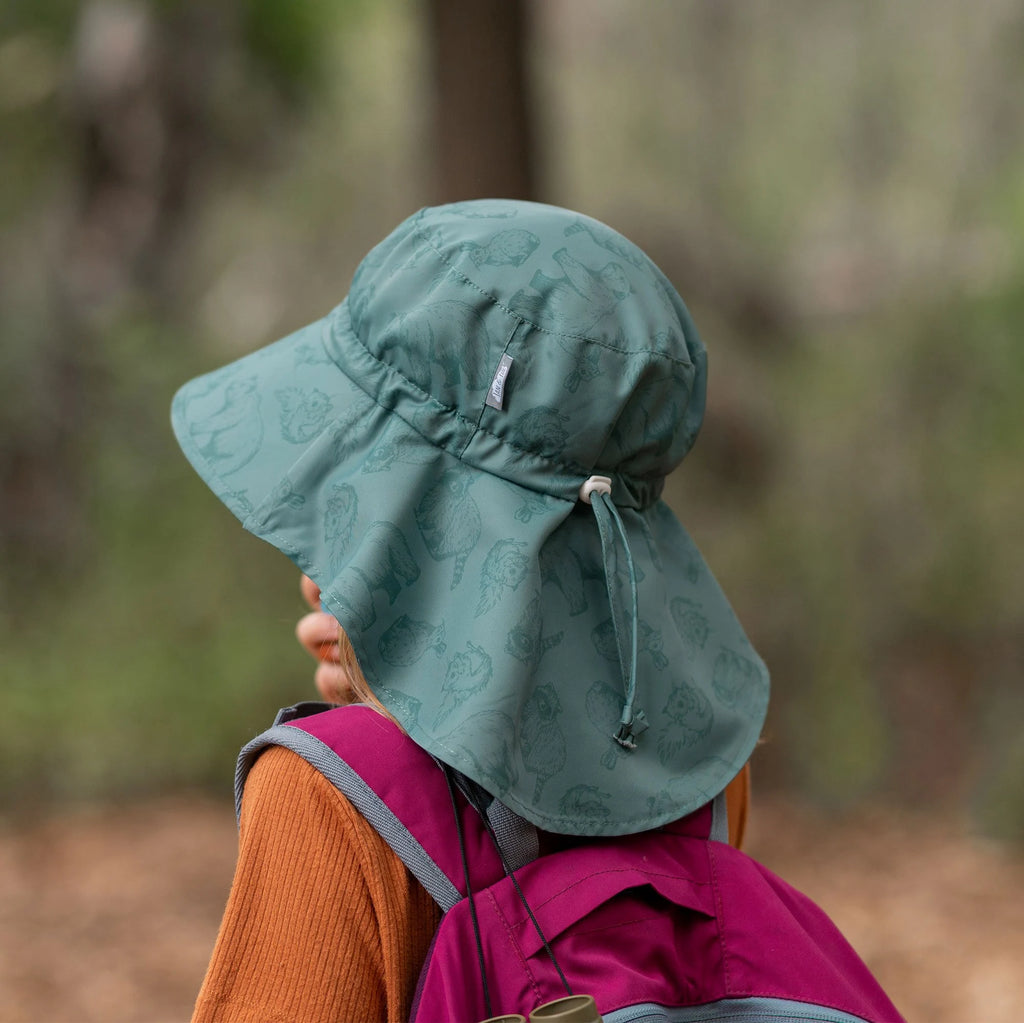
467	455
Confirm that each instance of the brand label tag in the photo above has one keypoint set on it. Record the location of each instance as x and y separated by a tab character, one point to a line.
496	392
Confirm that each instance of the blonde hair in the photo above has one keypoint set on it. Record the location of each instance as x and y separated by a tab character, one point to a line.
360	688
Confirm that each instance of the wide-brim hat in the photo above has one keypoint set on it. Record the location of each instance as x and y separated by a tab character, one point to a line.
420	452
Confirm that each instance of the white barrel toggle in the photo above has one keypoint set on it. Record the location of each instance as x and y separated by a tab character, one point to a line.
600	484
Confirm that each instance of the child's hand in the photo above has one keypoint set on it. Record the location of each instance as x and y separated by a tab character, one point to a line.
318	632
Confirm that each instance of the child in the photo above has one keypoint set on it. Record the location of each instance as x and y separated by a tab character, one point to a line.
466	459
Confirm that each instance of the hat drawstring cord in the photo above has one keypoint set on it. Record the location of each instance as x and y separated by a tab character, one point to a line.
596	491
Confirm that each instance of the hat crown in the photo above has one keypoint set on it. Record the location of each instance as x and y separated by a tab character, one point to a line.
603	368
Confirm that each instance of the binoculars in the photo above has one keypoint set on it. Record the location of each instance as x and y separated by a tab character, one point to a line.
573	1009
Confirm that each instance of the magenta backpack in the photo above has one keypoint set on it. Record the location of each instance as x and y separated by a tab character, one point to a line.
667	926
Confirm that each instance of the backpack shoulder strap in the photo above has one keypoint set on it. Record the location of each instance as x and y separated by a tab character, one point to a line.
397	786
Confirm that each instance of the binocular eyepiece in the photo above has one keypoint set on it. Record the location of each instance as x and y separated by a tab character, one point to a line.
572	1009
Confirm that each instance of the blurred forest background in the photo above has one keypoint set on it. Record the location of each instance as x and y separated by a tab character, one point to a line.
837	190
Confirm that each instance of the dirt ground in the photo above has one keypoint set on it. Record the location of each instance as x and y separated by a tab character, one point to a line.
109	914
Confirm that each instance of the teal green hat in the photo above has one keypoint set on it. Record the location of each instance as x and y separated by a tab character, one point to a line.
467	456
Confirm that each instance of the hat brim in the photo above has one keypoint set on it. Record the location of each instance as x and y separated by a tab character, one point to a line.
479	608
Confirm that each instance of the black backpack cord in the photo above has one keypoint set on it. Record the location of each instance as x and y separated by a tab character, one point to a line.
473	797
469	888
522	898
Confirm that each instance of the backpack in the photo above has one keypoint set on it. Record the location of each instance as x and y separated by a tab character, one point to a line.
666	926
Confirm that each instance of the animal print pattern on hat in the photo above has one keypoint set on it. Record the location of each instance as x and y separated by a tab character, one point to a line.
445	532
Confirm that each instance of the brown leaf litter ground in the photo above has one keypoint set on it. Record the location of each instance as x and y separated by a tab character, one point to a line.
109	914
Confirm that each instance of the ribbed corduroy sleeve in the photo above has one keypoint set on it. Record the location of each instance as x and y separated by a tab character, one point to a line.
324	922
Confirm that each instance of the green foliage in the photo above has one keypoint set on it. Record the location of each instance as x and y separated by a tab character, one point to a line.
857	483
140	667
287	37
54	19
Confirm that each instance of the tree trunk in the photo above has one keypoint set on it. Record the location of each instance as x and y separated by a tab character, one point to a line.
482	139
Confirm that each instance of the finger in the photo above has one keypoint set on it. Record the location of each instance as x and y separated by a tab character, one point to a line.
332	683
318	633
310	592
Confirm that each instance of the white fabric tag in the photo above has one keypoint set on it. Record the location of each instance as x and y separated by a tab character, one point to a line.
496	392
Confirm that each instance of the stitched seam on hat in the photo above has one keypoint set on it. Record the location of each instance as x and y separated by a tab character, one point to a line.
394	369
575	470
483	407
421	234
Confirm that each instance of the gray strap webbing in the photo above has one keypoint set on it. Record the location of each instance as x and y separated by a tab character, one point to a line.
732	1010
361	796
719	819
517	837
